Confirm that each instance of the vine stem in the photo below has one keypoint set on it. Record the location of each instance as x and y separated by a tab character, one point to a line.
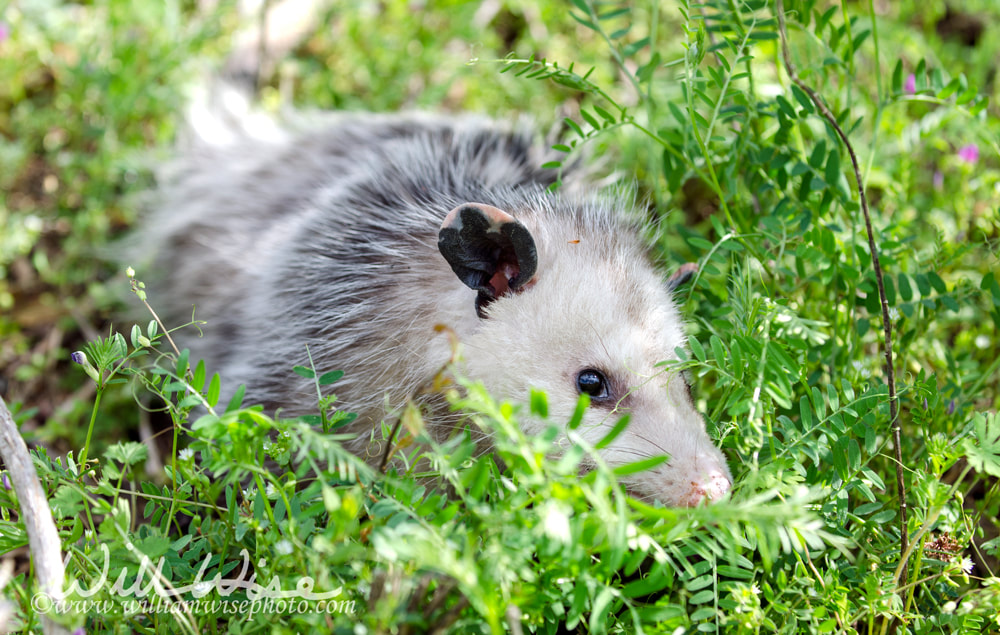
904	550
615	53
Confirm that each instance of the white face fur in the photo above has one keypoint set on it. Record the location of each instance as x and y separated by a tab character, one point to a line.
600	320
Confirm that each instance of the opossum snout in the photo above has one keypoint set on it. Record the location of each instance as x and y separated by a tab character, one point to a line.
685	482
714	486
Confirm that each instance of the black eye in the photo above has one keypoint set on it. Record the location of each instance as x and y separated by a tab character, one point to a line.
593	382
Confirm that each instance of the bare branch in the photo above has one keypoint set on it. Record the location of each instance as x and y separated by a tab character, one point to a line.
43	539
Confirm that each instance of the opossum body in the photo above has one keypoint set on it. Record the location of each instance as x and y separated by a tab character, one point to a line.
357	237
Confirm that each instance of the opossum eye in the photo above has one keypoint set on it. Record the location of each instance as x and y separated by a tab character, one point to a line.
594	383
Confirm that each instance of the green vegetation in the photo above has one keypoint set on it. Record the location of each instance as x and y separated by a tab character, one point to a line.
749	177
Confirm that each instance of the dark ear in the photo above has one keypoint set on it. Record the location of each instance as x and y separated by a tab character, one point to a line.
489	251
684	273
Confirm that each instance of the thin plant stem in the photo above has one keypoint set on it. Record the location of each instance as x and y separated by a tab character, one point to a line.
90	428
904	547
615	54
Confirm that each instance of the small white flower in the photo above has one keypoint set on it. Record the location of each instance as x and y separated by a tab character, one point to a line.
272	491
982	342
283	547
555	520
949	607
249	493
893	313
967	565
186	454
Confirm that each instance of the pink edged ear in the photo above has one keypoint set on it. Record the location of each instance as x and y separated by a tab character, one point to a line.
489	251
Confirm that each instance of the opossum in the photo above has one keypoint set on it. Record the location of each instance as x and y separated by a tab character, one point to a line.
359	235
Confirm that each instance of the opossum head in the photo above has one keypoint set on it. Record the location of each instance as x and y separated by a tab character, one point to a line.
572	305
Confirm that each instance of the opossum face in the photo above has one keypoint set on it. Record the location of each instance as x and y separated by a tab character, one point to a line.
592	317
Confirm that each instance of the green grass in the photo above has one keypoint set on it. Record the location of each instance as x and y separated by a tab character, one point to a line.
747	179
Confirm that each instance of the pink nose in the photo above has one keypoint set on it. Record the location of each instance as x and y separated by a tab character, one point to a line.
715	486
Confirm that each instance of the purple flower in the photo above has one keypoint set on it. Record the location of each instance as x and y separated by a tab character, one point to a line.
80	358
911	84
4	31
951	407
938	180
6	481
969	153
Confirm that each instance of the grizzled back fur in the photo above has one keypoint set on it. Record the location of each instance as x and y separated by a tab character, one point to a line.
330	238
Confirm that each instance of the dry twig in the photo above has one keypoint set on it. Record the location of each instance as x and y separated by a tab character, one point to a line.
43	539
